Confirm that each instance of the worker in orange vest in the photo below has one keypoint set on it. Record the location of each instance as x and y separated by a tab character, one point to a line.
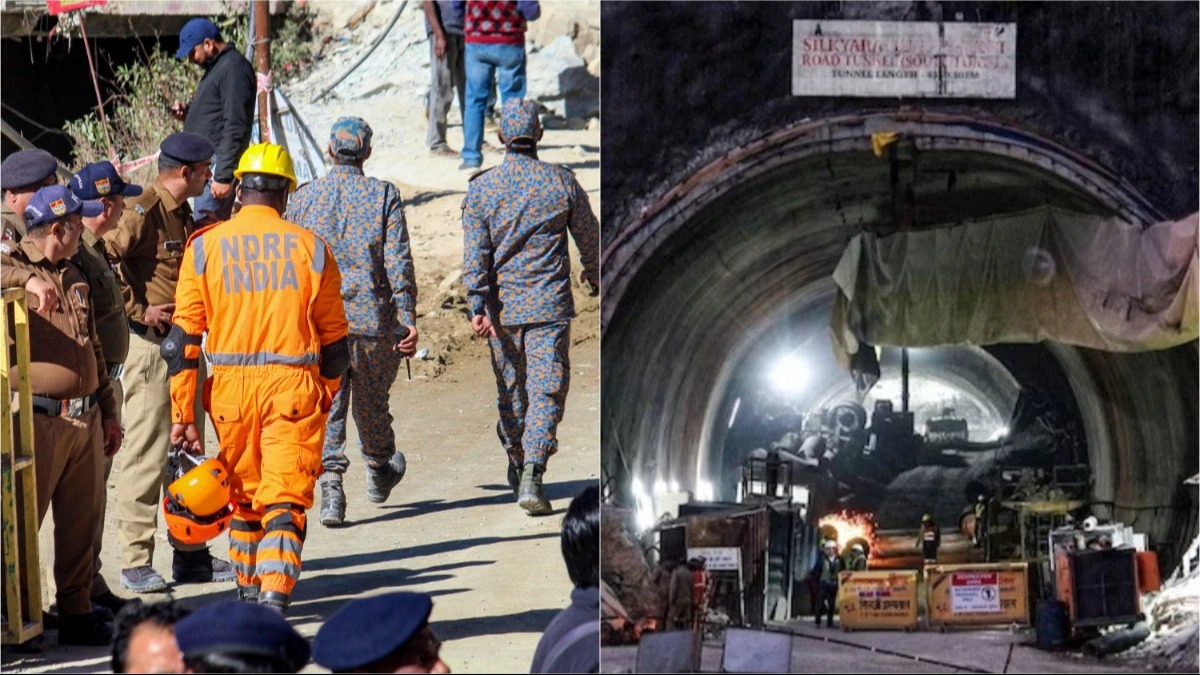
268	293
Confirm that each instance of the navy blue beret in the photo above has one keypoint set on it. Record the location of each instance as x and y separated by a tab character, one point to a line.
239	627
186	147
365	631
26	167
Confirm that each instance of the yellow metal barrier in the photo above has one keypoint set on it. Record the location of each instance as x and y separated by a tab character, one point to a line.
977	595
22	613
882	600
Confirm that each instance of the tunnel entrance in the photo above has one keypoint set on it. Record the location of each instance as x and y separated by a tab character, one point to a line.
743	250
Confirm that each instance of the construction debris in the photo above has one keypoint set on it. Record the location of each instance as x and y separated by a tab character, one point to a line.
1173	615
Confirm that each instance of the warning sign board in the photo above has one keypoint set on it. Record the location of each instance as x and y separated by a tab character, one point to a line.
989	594
974	592
718	558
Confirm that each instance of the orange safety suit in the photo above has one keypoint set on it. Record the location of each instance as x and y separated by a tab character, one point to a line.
268	293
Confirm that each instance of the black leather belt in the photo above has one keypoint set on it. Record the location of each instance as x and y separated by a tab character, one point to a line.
139	328
72	407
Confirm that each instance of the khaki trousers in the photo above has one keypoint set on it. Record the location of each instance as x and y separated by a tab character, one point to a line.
143	455
68	470
46	534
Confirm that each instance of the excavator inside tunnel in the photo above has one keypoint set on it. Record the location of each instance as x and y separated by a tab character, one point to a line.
722	382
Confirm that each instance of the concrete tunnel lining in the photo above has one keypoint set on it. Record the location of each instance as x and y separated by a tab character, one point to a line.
711	265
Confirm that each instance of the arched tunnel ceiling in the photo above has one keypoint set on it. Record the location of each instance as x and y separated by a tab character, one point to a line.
748	241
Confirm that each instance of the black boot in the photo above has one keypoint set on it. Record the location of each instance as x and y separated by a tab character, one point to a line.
200	567
114	603
333	503
83	629
514	477
275	600
530	495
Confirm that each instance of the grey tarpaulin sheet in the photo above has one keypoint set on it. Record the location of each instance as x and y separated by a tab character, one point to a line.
1041	274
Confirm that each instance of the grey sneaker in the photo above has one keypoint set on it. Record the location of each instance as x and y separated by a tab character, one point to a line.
143	580
333	504
381	481
530	495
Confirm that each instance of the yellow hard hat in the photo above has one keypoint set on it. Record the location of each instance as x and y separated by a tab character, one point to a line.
269	159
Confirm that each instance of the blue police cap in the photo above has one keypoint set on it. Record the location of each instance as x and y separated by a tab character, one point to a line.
193	33
100	179
55	202
26	167
366	630
186	147
236	627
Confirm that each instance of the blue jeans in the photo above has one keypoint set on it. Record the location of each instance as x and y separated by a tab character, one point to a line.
207	206
486	64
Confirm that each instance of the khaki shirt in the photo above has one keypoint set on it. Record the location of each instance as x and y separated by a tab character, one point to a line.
148	244
107	304
65	356
13	224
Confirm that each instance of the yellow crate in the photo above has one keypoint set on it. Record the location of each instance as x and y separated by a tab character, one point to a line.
22	614
977	595
878	600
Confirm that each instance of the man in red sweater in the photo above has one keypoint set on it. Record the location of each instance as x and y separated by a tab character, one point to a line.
495	51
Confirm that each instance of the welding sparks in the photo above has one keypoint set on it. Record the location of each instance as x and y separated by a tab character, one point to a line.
850	526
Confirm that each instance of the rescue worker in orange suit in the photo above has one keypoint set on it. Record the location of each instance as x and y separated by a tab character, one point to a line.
930	539
268	293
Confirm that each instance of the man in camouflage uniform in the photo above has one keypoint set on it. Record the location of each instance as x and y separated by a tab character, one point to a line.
22	174
517	272
363	220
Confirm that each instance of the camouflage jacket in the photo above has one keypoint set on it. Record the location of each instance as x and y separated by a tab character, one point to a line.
515	219
362	219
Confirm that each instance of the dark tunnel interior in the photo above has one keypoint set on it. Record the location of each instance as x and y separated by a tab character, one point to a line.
729	285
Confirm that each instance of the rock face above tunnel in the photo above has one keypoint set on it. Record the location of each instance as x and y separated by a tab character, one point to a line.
1116	82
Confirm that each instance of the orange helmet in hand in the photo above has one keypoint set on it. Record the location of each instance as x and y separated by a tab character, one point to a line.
196	507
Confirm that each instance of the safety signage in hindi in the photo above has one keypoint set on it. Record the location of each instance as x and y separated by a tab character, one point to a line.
975	592
724	558
919	59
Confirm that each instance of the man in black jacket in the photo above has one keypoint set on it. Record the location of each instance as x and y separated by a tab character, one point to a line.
221	111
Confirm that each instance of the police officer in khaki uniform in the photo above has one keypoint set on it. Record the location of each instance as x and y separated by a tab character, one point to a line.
75	415
100	182
148	244
22	174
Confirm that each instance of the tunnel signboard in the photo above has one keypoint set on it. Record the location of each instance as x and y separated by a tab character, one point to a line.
904	58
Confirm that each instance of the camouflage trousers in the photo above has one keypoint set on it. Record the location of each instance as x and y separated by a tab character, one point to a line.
533	374
365	386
